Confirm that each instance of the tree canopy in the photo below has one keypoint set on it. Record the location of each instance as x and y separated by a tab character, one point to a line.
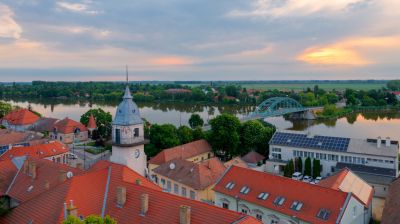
103	121
5	108
91	219
195	121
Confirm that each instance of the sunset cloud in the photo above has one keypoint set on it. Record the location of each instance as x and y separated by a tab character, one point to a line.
9	28
171	61
352	51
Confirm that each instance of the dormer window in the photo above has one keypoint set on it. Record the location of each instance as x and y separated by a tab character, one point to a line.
279	200
245	190
263	196
230	185
323	214
296	205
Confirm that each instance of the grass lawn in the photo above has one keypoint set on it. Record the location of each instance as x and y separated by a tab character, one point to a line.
95	151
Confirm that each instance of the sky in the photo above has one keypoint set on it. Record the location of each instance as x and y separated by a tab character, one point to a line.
87	40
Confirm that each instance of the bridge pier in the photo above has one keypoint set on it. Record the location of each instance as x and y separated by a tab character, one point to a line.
304	115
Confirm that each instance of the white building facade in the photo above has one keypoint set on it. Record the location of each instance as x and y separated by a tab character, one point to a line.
334	153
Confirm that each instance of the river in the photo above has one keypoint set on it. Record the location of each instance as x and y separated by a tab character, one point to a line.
359	125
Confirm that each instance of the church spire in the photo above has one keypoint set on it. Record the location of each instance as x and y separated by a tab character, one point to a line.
127	94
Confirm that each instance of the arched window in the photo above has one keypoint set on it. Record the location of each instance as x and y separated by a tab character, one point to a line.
244	209
259	214
225	203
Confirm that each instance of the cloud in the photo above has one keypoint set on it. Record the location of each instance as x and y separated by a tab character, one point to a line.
77	7
271	8
170	61
79	30
353	51
9	28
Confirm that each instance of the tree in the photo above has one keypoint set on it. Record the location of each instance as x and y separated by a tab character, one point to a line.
5	108
232	90
195	121
394	85
103	121
255	136
164	136
91	219
224	136
299	164
185	134
307	167
288	170
198	134
316	168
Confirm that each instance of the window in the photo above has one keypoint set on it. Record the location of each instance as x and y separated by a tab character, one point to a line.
117	136
192	195
230	185
244	211
136	132
263	196
176	189
225	205
323	214
274	221
296	205
209	155
279	200
244	190
183	191
169	186
162	182
259	217
354	211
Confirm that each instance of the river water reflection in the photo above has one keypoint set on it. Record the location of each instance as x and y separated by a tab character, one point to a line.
360	125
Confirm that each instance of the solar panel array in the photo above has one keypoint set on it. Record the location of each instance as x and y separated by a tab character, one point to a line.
315	142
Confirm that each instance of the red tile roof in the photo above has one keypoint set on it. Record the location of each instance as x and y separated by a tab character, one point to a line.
237	161
197	176
68	126
36	151
7	172
91	123
88	190
185	151
253	157
8	137
313	197
347	181
21	117
46	171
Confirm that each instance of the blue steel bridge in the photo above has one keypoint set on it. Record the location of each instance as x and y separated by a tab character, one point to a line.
278	106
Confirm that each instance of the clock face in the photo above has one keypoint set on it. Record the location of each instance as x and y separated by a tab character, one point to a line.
137	153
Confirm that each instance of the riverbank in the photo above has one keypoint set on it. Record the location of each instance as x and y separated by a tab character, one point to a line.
348	110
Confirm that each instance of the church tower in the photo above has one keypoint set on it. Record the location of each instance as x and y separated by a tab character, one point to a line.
128	135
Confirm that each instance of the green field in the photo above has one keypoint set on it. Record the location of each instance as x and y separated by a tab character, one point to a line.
304	85
325	86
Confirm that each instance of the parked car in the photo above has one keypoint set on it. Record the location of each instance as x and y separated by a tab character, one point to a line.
317	180
307	179
297	176
72	156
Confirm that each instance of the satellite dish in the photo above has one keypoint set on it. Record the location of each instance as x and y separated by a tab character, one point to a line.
172	166
69	174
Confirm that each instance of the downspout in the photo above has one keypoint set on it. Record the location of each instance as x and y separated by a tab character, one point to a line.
103	209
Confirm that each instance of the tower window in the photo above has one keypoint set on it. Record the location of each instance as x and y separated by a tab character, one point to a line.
117	136
136	132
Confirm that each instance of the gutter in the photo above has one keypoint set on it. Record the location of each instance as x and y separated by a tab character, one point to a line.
103	209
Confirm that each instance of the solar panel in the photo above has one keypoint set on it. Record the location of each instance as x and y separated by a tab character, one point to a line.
316	142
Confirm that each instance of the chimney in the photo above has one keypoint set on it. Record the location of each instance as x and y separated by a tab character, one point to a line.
79	166
379	142
144	204
46	185
26	166
72	209
184	214
62	175
387	141
121	196
32	170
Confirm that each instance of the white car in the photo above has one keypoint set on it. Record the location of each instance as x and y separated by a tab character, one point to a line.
307	179
317	180
297	176
72	156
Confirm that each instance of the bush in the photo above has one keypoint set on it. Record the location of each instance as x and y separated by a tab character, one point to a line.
307	167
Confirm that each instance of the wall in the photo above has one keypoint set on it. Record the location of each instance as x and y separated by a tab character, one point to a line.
355	213
70	138
127	156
